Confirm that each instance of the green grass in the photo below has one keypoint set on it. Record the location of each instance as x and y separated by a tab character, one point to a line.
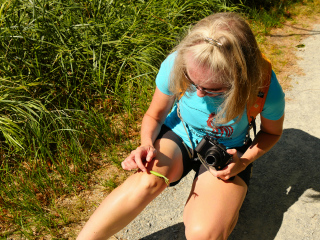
75	78
110	184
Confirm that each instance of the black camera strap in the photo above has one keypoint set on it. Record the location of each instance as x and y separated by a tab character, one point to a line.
252	125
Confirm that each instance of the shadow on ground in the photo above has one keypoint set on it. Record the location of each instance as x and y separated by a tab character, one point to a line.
302	32
280	177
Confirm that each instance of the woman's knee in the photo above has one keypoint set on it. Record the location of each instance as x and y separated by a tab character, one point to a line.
148	184
202	232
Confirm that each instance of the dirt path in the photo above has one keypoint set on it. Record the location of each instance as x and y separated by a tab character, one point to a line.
284	197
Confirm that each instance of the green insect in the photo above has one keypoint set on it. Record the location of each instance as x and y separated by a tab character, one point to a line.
161	176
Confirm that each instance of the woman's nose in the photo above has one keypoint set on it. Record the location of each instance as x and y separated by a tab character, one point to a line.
200	93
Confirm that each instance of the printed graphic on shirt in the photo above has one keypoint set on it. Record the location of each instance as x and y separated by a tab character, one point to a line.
221	131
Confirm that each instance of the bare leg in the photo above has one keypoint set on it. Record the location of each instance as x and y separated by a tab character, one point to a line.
213	206
127	201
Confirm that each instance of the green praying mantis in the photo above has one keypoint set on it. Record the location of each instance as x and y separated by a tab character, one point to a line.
161	176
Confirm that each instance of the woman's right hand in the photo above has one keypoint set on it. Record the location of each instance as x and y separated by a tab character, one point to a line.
139	157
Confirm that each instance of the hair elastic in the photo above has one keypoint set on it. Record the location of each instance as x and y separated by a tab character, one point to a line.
213	42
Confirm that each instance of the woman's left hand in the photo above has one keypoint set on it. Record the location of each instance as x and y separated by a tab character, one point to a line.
232	169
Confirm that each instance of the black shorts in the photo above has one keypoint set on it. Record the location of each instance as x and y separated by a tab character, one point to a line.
191	164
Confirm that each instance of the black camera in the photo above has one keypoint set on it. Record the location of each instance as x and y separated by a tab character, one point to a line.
213	153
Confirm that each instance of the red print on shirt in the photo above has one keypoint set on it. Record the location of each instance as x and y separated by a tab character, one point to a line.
218	132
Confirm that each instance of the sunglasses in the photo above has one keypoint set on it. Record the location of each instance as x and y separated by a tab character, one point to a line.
216	92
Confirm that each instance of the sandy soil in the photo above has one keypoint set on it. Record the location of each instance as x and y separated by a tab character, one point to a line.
284	197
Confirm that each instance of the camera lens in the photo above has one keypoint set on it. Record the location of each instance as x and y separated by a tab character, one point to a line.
213	156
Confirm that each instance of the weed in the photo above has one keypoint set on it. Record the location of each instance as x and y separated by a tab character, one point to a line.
110	184
161	176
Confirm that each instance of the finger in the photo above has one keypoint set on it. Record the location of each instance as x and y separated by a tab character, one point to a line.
130	166
213	171
223	177
139	162
221	174
129	163
224	174
126	165
218	175
130	157
232	152
151	154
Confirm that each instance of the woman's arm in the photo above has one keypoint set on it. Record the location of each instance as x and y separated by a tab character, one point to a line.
150	128
154	117
269	134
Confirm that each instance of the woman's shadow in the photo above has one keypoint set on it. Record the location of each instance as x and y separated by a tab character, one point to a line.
279	179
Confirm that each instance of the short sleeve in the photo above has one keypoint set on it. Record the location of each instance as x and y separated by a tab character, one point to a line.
163	76
275	102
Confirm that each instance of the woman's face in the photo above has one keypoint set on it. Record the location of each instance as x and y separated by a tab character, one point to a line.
203	79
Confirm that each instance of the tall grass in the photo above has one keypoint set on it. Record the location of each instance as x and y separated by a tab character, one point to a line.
75	76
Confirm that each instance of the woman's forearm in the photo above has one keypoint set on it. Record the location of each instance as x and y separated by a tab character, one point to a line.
262	143
269	134
150	129
155	117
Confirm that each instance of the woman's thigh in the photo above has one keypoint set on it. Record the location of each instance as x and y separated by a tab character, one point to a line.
213	206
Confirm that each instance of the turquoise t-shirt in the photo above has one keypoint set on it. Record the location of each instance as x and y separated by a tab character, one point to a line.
198	112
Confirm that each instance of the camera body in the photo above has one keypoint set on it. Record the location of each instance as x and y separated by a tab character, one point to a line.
213	153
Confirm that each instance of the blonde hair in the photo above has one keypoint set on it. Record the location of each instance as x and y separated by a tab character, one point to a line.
235	56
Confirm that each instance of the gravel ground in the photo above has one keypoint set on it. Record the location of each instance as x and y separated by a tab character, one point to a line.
284	197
